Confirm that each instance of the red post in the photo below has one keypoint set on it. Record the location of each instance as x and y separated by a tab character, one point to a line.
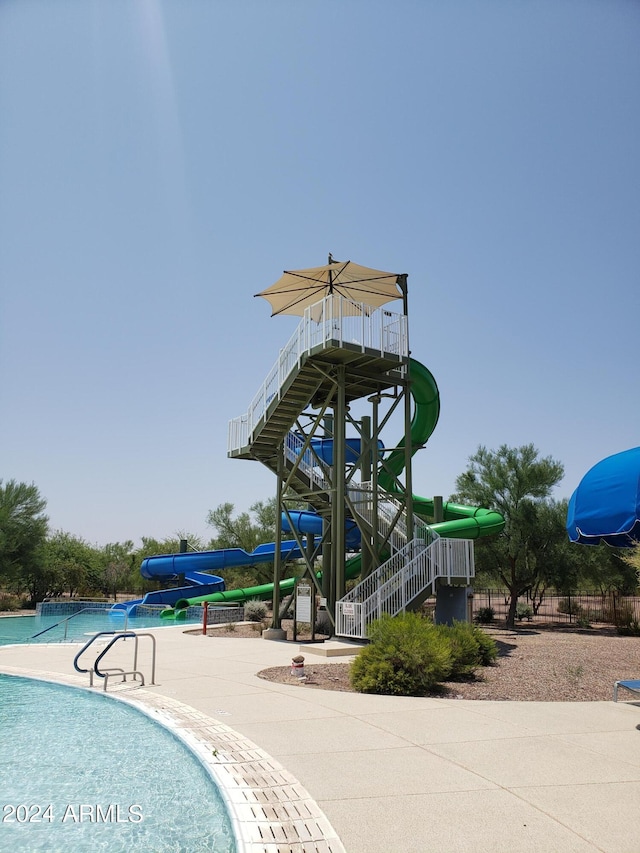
204	618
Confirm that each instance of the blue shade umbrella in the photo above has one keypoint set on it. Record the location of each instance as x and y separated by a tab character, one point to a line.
606	505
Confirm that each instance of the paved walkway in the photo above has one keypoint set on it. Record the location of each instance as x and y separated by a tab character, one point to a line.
390	774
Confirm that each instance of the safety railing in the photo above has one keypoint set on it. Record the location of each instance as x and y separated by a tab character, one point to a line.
392	587
386	513
308	463
68	619
333	319
104	673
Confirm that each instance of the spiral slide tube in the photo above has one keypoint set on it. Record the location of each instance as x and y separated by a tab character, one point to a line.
460	522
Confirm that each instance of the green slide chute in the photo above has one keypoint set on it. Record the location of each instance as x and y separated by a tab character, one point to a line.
460	522
264	592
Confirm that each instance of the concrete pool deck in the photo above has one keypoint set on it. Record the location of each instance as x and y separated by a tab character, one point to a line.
323	771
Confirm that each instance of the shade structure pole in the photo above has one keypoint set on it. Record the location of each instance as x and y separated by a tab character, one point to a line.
408	449
408	452
328	585
277	558
366	469
374	479
327	535
339	487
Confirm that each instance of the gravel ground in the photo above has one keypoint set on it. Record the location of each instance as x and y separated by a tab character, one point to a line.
535	664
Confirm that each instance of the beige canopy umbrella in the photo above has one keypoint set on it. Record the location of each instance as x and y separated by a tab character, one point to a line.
297	289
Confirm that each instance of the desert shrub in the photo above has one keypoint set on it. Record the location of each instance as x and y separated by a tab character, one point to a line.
569	606
9	601
470	648
485	615
632	630
594	614
488	647
407	656
255	611
621	614
524	611
465	650
286	610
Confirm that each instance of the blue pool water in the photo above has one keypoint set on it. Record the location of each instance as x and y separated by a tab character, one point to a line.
22	629
82	773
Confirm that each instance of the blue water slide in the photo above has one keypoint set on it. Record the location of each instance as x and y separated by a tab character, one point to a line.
200	581
194	566
172	566
323	449
175	567
311	523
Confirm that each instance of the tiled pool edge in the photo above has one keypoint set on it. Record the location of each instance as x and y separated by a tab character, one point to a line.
270	811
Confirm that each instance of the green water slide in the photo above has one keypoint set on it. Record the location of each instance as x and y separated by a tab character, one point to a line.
460	522
264	592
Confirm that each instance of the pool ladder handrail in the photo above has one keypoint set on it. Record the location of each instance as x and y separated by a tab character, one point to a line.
106	673
73	616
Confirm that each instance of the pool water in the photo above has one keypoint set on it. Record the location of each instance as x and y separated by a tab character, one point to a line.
22	629
85	773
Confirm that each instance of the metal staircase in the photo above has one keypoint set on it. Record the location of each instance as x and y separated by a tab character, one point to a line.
404	582
365	351
371	343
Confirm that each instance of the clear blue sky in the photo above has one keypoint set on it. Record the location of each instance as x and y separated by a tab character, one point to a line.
161	162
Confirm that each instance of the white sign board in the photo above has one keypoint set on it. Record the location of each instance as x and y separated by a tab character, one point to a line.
303	603
348	609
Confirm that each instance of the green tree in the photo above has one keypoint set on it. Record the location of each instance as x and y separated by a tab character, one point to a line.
608	569
23	530
152	547
118	562
558	566
517	483
631	558
241	531
246	530
75	563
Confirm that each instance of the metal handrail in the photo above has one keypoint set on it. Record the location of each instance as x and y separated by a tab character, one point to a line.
90	642
334	319
73	616
62	599
116	635
407	574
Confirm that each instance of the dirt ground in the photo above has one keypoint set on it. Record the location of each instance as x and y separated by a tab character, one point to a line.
536	663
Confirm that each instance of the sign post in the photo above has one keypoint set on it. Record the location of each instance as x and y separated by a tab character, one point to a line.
305	608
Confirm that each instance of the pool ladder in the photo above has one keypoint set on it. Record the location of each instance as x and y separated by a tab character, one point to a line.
107	673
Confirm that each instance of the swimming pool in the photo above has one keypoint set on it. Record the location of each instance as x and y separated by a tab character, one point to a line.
60	628
82	772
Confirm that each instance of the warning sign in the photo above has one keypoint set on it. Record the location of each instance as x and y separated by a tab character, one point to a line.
303	603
